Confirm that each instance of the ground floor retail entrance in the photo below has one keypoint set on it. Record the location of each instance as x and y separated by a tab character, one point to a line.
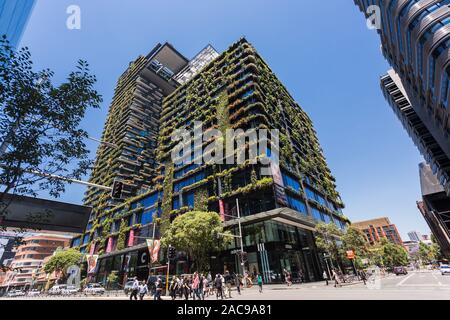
272	247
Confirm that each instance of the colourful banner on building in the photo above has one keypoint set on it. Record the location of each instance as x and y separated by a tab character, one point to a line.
91	263
131	238
110	245
222	210
154	257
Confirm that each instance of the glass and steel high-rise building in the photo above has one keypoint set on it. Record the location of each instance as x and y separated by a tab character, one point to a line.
415	37
14	16
237	90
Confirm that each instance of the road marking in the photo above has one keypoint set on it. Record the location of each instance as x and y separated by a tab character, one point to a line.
404	280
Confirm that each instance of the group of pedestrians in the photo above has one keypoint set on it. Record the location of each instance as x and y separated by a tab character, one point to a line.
141	289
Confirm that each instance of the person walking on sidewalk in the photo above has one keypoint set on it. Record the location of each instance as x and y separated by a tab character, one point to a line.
260	282
143	290
158	289
237	282
336	279
218	286
134	289
228	280
325	276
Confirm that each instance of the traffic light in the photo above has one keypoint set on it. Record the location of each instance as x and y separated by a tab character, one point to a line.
117	188
172	253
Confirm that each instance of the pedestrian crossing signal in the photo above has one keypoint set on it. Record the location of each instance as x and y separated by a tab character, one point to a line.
117	189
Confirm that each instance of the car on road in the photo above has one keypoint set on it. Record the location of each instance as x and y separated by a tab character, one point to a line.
400	271
57	289
15	293
33	293
445	269
94	289
70	290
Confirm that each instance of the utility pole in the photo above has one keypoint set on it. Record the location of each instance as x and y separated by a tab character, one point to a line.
240	236
168	270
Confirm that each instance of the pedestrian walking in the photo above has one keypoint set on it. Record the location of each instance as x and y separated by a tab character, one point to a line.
143	290
336	279
158	289
206	287
173	288
363	276
218	286
260	282
325	276
134	289
228	282
237	282
196	287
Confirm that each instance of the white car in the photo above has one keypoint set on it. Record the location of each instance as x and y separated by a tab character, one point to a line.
445	269
16	293
70	290
57	289
33	293
94	289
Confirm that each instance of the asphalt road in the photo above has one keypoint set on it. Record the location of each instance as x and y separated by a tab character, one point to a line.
424	285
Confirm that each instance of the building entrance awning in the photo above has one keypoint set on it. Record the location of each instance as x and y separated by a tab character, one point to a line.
283	215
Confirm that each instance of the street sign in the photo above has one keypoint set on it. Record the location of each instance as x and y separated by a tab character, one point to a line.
350	254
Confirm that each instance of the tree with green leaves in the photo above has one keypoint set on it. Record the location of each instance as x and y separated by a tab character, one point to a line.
195	233
328	237
61	260
354	239
393	255
40	134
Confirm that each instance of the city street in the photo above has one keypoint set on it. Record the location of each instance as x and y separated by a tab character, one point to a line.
421	285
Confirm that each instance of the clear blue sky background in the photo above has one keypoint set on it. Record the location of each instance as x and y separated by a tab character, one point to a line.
321	50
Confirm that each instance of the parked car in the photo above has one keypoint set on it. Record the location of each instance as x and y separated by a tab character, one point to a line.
57	289
16	293
400	271
94	289
445	269
33	293
70	290
128	287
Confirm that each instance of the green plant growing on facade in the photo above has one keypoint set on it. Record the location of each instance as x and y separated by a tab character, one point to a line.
122	235
195	233
201	200
167	198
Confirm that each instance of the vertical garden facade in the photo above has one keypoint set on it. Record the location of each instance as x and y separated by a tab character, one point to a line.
279	211
239	91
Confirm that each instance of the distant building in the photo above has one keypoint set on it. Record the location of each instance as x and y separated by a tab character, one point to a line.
435	208
29	258
7	243
379	228
14	16
415	236
411	246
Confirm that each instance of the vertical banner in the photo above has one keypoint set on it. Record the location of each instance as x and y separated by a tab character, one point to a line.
222	210
150	245
131	238
155	251
110	244
92	248
91	263
280	193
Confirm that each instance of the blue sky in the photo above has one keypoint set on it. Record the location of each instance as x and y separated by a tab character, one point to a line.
323	53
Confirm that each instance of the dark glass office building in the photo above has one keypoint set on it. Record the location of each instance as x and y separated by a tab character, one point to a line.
14	15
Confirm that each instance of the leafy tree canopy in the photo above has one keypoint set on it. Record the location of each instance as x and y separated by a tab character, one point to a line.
195	233
61	260
40	124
